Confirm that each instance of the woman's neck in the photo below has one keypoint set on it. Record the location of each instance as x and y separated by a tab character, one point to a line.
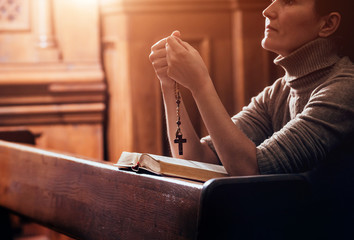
313	56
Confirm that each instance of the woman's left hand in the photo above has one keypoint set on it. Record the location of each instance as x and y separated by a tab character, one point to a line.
185	65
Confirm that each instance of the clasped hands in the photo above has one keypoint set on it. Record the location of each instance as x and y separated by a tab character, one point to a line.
176	60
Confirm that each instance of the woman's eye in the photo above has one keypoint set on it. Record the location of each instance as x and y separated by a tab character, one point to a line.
289	2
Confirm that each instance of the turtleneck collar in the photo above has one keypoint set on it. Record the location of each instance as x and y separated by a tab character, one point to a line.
315	55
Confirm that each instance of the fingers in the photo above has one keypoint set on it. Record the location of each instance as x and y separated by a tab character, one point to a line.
160	63
160	44
186	45
159	49
157	54
175	43
176	34
158	58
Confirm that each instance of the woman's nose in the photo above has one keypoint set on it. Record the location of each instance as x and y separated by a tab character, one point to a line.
270	12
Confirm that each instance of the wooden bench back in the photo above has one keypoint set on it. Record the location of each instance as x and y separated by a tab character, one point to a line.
88	199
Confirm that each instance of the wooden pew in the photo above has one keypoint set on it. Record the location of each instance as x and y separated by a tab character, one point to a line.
90	199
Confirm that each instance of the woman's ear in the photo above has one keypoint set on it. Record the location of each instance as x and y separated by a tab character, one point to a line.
330	24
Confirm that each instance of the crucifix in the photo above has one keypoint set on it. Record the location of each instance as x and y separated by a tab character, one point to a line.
180	140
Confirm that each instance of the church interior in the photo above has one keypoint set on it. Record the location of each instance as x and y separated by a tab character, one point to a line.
75	74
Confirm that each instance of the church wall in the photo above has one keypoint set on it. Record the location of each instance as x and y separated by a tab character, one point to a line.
51	77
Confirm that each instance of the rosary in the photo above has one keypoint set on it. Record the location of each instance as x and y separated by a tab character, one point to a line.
179	139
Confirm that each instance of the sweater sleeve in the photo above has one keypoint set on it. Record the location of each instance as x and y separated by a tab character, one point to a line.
255	119
326	121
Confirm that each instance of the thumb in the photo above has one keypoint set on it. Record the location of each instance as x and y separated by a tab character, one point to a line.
176	34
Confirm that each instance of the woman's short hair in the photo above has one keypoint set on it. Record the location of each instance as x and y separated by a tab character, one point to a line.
344	32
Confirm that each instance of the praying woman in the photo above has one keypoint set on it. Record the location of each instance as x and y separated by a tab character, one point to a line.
304	119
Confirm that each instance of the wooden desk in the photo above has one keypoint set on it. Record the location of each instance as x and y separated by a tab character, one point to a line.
89	199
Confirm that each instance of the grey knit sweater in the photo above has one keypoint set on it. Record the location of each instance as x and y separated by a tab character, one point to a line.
307	116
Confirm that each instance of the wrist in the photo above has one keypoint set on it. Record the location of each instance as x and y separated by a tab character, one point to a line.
167	86
203	89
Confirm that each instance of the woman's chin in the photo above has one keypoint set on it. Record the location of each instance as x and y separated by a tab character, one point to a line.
268	45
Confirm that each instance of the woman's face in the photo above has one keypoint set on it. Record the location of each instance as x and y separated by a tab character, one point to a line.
289	25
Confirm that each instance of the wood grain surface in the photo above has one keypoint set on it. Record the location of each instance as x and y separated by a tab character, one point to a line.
89	199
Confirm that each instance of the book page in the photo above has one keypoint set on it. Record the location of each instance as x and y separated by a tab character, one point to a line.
191	164
150	163
128	159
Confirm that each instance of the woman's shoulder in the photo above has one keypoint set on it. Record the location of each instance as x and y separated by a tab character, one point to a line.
344	69
341	75
340	85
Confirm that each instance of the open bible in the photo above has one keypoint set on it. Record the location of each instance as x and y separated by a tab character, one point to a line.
168	166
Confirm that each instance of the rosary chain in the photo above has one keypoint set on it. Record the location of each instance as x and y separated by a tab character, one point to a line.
178	102
179	139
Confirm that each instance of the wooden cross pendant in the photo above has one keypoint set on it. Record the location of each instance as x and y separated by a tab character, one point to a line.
180	140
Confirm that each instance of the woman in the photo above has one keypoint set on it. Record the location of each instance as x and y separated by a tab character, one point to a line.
303	119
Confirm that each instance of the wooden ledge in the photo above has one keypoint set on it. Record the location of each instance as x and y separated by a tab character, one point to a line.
41	73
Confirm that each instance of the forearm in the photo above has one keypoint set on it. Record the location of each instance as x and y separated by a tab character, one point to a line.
192	149
235	150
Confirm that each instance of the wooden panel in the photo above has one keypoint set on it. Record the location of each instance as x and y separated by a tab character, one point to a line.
94	200
67	116
52	93
51	36
76	23
14	15
252	63
82	139
30	73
